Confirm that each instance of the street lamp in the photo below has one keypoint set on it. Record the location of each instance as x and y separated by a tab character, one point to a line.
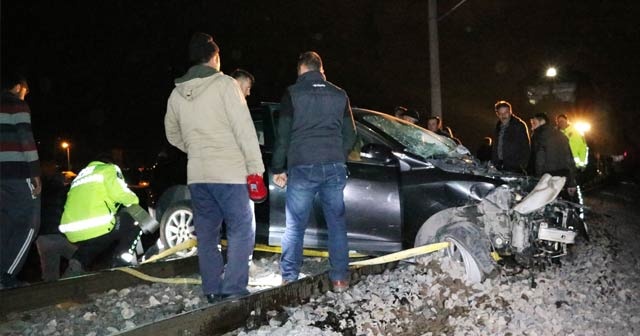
551	72
67	146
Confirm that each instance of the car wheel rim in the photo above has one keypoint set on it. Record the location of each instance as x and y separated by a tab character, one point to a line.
458	253
179	228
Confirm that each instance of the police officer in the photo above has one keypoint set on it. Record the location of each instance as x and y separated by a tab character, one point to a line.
93	216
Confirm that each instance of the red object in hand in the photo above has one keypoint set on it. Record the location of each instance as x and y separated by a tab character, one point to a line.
257	190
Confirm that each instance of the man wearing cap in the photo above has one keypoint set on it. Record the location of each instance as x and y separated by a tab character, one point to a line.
208	118
315	134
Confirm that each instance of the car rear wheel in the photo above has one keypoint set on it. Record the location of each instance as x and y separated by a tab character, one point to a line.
176	226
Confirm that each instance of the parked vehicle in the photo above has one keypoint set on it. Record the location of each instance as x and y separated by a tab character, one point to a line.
400	176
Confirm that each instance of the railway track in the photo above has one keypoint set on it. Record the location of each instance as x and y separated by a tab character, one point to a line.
207	320
45	294
249	310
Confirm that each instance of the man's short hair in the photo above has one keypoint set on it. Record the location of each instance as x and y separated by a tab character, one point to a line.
500	104
542	117
202	48
311	60
241	73
11	79
562	116
399	111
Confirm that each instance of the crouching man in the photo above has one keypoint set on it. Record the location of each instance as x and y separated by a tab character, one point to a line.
94	218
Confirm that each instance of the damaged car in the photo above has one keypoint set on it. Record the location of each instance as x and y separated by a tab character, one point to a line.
406	187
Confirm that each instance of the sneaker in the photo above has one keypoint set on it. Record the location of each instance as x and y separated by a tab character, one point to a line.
340	286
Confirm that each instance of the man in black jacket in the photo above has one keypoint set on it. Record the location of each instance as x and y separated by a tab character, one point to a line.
551	152
315	133
511	148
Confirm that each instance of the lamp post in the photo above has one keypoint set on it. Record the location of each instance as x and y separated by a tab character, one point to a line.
67	146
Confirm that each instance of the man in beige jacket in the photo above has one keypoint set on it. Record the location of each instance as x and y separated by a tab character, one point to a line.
208	118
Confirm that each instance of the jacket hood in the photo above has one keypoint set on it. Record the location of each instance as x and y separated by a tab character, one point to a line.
196	80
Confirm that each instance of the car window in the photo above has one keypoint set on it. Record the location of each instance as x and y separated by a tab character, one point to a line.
259	125
364	136
417	140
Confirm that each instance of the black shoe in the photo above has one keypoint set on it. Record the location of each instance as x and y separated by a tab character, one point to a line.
9	281
215	298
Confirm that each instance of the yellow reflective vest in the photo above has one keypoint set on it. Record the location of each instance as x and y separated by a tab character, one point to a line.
93	200
578	145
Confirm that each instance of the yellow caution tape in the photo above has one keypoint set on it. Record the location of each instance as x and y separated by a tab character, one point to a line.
187	244
404	254
305	252
178	281
416	251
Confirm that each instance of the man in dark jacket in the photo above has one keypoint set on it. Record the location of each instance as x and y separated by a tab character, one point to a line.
315	133
511	148
551	152
20	184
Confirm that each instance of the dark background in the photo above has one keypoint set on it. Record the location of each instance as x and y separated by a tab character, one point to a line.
100	72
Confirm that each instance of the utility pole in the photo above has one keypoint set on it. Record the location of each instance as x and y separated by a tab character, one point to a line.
434	60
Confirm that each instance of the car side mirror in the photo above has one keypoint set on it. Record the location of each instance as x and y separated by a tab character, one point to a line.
377	152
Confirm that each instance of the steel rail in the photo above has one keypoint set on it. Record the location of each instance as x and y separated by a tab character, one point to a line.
251	309
78	288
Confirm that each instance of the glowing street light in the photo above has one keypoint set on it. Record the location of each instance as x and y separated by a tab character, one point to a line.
67	146
551	72
582	127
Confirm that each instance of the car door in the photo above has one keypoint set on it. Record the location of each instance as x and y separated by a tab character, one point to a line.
371	200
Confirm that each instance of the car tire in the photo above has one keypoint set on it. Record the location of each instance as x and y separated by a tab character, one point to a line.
469	246
176	226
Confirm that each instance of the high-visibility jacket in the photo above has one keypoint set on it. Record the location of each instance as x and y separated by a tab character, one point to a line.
578	144
93	200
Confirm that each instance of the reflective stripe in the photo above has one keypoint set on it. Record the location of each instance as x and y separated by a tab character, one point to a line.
14	118
27	156
85	224
22	252
87	179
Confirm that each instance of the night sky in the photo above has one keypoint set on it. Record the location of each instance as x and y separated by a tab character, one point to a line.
100	72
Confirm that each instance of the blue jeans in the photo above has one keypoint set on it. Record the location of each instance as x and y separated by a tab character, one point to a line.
212	203
304	182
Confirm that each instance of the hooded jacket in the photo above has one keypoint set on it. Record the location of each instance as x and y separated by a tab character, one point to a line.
208	118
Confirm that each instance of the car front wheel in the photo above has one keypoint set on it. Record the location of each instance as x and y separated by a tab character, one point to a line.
468	246
176	226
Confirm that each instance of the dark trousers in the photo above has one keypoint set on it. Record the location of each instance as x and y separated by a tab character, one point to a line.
123	236
19	224
212	203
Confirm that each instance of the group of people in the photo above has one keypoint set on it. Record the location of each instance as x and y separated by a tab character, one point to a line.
433	123
560	151
91	221
208	118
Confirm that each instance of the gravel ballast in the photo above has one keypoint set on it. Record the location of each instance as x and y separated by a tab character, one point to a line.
594	291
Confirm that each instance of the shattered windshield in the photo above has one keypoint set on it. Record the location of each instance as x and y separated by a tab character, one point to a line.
417	140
